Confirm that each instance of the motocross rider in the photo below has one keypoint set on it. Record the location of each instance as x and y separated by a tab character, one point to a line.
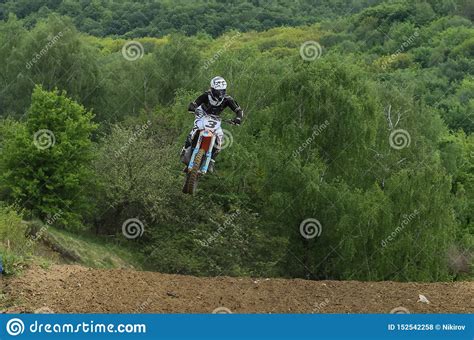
212	102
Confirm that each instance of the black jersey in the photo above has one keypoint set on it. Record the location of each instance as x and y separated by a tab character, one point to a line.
206	102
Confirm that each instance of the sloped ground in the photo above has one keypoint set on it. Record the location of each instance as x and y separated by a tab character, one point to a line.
85	250
72	288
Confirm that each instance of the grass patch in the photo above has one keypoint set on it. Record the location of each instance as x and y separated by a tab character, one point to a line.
95	251
13	244
50	245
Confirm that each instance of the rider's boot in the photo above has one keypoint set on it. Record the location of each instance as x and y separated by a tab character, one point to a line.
212	163
183	159
187	144
211	166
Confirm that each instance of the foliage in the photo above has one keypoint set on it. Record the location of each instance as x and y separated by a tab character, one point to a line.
46	158
134	176
95	251
13	244
157	18
51	54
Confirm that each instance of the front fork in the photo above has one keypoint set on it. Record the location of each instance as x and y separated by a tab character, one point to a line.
206	141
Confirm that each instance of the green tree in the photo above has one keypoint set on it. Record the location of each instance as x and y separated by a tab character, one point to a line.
134	175
46	160
51	54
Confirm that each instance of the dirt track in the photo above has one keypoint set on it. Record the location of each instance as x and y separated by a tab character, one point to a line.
70	288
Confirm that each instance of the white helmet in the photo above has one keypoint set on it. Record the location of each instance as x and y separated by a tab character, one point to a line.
218	87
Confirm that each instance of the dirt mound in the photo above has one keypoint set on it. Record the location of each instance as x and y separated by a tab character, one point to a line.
76	289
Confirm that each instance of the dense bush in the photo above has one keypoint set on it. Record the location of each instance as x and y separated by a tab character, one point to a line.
135	176
45	161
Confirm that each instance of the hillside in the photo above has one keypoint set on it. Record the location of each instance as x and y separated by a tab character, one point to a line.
132	18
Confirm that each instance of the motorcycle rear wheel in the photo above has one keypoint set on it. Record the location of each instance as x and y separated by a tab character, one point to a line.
190	185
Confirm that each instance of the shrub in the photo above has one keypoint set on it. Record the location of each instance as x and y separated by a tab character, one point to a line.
46	159
13	244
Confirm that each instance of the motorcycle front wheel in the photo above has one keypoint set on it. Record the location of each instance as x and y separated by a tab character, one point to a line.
190	185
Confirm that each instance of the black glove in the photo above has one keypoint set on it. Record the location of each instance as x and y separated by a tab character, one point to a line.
236	121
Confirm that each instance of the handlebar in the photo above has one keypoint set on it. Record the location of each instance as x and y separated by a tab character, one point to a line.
229	121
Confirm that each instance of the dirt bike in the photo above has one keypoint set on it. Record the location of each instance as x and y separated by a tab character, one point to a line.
201	150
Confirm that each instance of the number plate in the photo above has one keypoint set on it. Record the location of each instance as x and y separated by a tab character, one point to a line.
209	123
